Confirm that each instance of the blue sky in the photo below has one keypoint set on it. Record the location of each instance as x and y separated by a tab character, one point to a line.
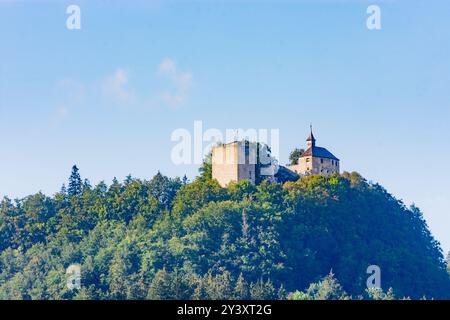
107	97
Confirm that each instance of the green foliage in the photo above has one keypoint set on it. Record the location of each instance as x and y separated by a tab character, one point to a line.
262	290
169	239
75	185
205	169
328	288
295	155
379	294
241	190
241	290
175	285
196	195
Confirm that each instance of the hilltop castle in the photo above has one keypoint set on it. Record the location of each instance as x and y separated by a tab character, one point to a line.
240	160
315	160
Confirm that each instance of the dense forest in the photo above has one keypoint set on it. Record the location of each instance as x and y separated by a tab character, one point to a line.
168	238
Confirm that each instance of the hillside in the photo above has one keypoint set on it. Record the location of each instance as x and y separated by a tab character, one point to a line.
169	239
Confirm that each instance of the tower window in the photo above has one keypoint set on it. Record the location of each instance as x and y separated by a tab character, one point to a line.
321	160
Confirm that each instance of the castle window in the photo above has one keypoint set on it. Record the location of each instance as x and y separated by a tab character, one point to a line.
247	153
321	160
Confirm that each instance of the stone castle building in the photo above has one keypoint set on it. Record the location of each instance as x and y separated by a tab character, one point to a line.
239	160
315	160
233	161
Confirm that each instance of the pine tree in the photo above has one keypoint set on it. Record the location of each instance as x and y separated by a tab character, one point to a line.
63	190
201	290
86	185
328	288
241	289
262	290
128	179
75	184
282	293
160	287
224	284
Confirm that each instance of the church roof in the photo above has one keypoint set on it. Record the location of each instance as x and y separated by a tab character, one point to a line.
311	136
318	152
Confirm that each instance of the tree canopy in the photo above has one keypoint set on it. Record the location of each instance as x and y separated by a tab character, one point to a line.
167	238
295	155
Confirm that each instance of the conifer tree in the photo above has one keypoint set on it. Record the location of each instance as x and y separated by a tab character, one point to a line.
160	287
241	289
75	184
328	288
63	190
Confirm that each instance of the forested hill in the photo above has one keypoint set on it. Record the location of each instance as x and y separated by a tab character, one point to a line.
170	239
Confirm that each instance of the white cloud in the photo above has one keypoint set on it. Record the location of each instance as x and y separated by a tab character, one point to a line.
182	82
167	66
115	87
62	112
70	94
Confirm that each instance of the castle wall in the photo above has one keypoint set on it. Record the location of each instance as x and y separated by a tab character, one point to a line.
237	161
315	165
224	164
232	162
247	162
325	166
303	167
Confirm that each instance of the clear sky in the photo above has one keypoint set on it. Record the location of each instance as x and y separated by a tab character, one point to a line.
108	96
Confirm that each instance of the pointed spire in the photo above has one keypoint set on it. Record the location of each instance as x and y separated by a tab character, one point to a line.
311	140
